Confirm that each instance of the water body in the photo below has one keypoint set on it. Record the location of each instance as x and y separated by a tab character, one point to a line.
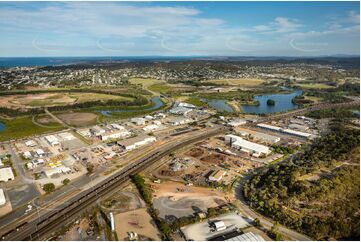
58	61
2	126
283	103
155	100
219	105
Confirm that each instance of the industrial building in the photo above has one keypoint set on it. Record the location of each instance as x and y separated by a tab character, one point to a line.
247	146
115	134
180	120
287	131
133	143
52	140
2	197
237	236
217	176
138	121
6	174
237	122
180	110
97	131
151	128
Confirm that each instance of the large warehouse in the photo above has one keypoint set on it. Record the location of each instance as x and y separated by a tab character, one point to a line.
247	146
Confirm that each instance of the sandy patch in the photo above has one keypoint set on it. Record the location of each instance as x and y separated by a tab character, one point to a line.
78	119
138	221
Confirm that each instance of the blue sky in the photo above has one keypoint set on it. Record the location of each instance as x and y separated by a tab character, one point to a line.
179	28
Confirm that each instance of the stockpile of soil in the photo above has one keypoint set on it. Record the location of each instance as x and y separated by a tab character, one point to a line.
196	152
214	158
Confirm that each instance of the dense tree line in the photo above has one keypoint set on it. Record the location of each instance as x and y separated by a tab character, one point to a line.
316	192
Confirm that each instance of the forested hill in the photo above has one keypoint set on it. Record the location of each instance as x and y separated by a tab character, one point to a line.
317	193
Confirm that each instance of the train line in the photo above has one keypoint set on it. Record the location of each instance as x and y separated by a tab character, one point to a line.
65	213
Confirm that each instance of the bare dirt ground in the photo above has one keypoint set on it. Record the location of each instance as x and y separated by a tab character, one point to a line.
174	200
78	119
138	221
25	101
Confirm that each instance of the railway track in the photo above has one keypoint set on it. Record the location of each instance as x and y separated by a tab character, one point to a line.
65	213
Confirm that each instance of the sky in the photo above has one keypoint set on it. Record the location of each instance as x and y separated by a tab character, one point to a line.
36	29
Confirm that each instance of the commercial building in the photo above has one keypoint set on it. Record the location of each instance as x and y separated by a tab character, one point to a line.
133	143
266	137
6	174
247	146
186	105
40	152
57	170
52	140
116	126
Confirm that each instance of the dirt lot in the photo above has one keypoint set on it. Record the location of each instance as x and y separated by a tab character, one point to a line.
78	119
34	100
174	200
138	221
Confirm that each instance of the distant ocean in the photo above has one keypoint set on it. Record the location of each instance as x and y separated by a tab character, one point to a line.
56	61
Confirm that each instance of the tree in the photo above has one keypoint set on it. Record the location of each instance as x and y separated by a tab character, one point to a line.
271	102
211	212
256	222
90	168
66	181
49	187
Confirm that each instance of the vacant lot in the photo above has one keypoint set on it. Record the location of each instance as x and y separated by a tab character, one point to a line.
78	119
174	200
246	82
138	221
54	99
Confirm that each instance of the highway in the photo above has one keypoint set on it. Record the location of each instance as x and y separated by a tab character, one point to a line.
49	221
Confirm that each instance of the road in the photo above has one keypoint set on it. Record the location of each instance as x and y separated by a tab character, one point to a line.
49	221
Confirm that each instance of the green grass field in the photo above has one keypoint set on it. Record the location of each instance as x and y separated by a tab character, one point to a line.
159	88
22	127
195	101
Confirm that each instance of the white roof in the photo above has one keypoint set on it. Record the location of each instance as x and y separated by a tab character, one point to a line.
117	126
51	139
269	127
219	224
6	174
2	197
246	237
295	132
248	144
39	151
